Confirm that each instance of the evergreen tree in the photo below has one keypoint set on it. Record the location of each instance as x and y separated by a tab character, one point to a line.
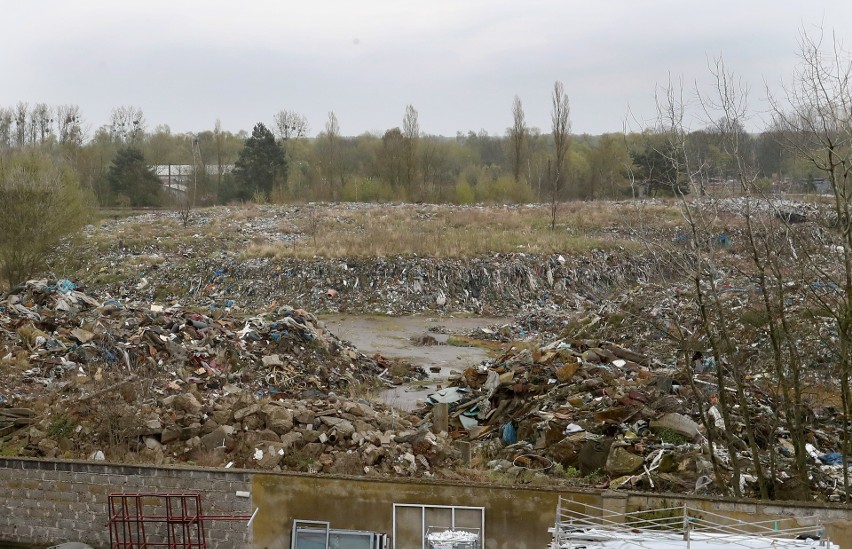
260	164
131	182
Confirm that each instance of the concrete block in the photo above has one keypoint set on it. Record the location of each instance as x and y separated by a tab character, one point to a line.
440	418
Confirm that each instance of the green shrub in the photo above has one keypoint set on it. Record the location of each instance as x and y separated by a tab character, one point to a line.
464	193
61	426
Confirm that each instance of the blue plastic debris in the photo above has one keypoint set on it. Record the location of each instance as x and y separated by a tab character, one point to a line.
65	286
832	458
510	435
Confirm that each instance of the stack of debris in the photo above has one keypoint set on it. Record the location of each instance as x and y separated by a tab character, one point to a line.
494	285
104	379
55	335
586	408
331	435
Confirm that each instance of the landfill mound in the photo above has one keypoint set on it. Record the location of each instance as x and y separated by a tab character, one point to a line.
218	260
492	286
583	408
84	378
53	329
605	377
624	393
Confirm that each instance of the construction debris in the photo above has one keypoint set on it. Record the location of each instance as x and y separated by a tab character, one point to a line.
190	353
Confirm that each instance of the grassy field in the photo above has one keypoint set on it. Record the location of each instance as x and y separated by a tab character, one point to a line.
452	232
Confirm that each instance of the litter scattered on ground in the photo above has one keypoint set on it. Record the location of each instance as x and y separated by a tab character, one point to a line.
603	377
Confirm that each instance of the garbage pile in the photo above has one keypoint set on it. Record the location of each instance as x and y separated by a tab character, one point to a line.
236	429
495	285
110	379
198	360
599	413
52	333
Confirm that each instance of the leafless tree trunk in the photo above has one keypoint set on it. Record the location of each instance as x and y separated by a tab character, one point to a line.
410	141
6	134
518	138
290	125
69	124
219	140
21	112
561	129
42	121
332	138
816	116
127	125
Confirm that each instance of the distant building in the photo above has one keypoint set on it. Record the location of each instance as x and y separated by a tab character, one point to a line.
177	177
821	186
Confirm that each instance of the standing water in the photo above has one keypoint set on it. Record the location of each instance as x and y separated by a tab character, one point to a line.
393	337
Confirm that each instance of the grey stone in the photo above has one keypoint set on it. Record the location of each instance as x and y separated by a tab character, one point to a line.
214	439
273	453
279	420
186	403
677	423
208	427
221	416
290	439
272	360
621	462
268	435
152	443
593	455
242	413
170	433
304	416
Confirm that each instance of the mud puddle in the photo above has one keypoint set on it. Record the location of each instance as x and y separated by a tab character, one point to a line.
392	338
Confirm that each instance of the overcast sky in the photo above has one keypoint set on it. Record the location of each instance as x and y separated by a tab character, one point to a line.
459	62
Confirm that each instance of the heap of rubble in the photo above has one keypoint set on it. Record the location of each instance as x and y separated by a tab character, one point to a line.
117	380
576	408
495	285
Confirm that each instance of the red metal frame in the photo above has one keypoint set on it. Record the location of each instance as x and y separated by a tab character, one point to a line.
149	520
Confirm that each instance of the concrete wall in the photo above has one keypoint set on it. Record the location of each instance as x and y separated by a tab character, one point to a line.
515	518
47	502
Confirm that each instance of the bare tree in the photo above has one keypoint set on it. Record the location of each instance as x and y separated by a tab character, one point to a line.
186	200
518	138
32	127
219	141
770	259
69	123
291	125
331	156
698	265
816	118
21	112
561	130
42	121
7	138
127	125
411	138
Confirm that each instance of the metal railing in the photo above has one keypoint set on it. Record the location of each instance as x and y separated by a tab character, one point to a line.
168	520
582	525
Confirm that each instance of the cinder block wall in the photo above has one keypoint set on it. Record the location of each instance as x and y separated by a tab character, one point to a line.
44	502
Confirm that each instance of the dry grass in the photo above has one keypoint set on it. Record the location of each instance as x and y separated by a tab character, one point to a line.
378	230
452	232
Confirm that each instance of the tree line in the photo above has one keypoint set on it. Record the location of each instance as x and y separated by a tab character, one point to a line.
279	161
